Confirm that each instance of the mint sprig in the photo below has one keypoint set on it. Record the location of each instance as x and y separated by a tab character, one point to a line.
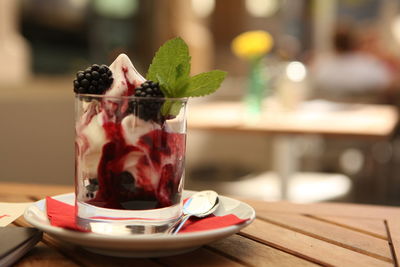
204	83
171	69
170	66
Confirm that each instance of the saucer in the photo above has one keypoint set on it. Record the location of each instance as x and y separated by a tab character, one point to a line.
155	245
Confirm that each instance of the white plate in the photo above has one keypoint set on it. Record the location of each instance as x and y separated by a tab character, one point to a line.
140	245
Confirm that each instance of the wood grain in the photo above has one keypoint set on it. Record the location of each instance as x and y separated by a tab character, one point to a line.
344	237
285	234
307	247
32	191
14	198
325	209
254	253
42	255
374	227
393	227
198	258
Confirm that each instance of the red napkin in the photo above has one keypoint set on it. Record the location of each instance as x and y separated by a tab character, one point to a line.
63	215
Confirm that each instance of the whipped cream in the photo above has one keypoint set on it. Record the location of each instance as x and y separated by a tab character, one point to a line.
133	128
125	77
95	137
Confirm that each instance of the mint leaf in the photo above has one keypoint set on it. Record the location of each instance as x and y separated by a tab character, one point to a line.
181	71
163	86
171	67
171	107
204	84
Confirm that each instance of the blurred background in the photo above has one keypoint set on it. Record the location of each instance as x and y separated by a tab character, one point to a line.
338	51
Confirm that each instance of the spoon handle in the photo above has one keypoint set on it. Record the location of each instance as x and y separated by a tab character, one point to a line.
174	225
184	219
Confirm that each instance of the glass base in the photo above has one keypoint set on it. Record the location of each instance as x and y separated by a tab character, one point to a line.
122	222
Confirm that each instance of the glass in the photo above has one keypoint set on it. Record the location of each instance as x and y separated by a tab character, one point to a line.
256	89
129	163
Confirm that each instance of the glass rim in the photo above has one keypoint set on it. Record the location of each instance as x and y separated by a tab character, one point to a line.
182	99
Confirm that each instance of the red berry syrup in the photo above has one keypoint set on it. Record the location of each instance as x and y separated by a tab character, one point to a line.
162	159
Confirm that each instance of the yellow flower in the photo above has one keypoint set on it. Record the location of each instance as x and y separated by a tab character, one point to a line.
252	44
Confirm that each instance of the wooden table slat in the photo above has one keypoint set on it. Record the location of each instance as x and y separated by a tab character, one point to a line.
307	247
334	234
325	209
33	191
393	225
42	255
200	257
257	254
374	227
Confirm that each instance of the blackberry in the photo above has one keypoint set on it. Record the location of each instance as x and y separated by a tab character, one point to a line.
127	181
148	109
149	89
94	80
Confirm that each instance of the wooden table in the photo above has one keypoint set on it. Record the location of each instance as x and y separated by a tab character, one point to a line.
374	122
283	234
322	118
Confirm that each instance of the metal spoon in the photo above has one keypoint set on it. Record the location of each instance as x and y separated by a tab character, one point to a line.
200	205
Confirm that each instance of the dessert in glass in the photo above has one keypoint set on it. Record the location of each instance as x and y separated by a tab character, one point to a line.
130	142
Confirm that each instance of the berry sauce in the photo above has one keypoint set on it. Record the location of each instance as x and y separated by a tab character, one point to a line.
131	87
161	159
